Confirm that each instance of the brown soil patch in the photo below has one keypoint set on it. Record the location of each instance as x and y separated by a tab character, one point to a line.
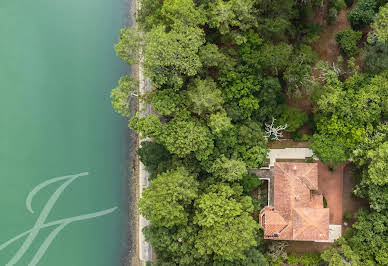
326	46
301	247
303	103
320	14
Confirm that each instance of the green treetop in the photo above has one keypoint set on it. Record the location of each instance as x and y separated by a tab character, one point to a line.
163	203
204	96
183	137
169	56
381	24
182	11
128	46
378	168
223	15
227	229
121	95
228	170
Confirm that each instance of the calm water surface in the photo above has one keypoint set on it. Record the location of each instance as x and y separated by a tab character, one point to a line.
57	66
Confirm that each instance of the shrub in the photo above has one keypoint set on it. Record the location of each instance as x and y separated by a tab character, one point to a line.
293	259
332	16
338	4
310	259
328	149
299	136
310	160
325	201
347	41
293	118
311	32
376	57
347	215
259	203
249	182
362	14
381	24
317	3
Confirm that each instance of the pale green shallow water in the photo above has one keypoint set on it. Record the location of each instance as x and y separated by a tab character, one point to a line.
57	66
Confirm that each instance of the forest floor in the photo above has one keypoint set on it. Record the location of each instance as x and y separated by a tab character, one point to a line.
326	45
327	49
301	247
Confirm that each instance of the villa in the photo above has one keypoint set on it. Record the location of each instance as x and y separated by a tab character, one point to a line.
297	211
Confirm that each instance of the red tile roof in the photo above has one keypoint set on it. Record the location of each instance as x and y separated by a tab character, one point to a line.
298	212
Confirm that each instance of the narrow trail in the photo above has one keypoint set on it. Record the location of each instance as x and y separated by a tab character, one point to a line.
326	48
326	45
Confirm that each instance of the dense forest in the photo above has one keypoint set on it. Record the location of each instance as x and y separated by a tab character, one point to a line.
222	71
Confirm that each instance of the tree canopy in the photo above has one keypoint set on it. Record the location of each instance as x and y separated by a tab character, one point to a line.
219	71
181	43
164	201
219	208
381	24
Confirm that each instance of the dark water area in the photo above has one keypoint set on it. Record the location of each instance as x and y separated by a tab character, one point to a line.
57	67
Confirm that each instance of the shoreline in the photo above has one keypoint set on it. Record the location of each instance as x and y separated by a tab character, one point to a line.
141	250
130	255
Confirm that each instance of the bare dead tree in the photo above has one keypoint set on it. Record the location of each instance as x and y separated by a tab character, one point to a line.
273	132
277	250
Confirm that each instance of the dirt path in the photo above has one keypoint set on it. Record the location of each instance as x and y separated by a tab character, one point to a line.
326	46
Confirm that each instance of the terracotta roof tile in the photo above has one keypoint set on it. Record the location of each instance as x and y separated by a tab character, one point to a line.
298	214
311	224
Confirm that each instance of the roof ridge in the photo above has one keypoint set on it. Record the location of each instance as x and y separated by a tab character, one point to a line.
308	220
302	178
308	172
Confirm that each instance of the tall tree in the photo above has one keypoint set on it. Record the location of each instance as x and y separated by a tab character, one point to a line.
328	149
204	97
381	24
369	238
341	253
149	126
170	56
223	15
154	156
149	14
228	170
184	137
128	46
275	58
227	230
378	168
219	123
175	245
347	112
182	11
165	201
251	145
240	86
121	95
166	101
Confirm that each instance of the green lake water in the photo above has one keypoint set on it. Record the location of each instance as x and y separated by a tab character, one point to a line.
57	67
